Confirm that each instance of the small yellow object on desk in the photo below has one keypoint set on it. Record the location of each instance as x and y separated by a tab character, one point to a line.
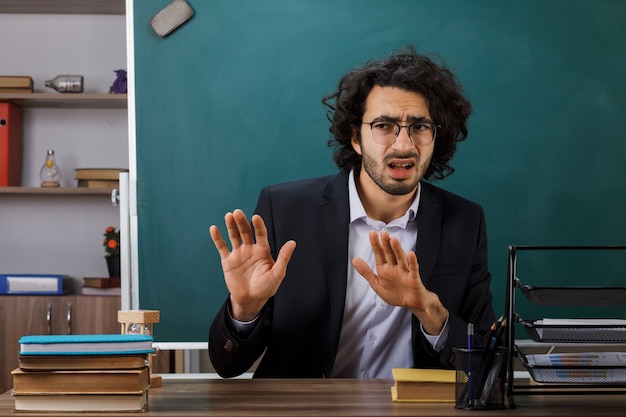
423	385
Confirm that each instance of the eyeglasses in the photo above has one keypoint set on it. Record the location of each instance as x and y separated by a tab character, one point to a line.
385	132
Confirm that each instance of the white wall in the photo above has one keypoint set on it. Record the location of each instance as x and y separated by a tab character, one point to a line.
52	234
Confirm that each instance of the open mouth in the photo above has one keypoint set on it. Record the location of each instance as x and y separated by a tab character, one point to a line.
406	165
400	169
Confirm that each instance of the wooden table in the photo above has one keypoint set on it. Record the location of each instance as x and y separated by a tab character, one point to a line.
328	397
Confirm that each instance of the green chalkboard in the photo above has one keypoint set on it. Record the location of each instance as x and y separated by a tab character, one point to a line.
230	102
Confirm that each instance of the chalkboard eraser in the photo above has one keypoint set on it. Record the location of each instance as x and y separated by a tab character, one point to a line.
170	18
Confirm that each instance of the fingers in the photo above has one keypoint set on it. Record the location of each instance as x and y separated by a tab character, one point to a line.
239	232
377	249
218	241
414	268
387	250
260	231
398	253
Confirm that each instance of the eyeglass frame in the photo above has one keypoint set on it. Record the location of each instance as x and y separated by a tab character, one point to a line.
433	127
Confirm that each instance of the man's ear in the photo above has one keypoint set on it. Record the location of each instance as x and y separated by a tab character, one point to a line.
355	140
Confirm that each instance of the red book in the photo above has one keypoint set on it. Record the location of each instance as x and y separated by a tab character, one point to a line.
10	145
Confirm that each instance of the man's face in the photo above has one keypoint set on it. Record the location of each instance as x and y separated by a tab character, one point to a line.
398	167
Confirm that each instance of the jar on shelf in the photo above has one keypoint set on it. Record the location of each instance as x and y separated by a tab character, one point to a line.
50	174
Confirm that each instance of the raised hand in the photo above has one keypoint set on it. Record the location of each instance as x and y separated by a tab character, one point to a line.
251	275
397	281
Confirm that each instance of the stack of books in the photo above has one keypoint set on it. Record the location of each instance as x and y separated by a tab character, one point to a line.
15	84
78	373
101	286
99	177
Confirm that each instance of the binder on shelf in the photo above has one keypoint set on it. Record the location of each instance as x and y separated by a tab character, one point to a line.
10	144
29	284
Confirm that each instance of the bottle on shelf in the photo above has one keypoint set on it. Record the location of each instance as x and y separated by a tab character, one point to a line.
66	83
50	174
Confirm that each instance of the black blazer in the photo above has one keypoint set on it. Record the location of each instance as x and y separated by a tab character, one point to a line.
299	327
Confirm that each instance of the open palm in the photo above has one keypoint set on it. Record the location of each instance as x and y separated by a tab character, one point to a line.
251	274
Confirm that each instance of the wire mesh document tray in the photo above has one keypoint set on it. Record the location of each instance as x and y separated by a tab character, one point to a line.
575	373
574	296
576	368
576	330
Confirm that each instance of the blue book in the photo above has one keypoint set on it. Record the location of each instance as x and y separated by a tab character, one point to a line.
25	284
86	344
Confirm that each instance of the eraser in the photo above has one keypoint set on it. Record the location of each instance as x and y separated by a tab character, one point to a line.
170	18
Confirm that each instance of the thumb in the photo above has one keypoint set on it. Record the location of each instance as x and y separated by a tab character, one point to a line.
284	256
364	269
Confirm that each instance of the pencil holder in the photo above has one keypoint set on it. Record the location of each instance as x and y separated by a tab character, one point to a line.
480	377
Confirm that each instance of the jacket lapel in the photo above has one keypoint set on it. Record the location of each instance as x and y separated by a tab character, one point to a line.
335	212
428	232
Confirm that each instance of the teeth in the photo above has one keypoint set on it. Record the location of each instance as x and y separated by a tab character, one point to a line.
402	165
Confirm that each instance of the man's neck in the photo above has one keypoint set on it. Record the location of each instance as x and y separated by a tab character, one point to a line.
380	205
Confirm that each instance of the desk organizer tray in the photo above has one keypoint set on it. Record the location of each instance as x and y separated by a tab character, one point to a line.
576	330
574	296
576	368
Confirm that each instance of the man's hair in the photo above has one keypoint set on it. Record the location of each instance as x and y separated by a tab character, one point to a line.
409	71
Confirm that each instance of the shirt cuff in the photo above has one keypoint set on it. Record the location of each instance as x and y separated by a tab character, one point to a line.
243	327
437	341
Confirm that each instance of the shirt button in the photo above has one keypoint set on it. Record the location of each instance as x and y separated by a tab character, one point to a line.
366	375
373	337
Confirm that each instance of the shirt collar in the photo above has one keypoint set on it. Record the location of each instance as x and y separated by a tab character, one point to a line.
357	211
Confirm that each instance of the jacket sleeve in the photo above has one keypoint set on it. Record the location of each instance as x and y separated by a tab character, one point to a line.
231	352
464	290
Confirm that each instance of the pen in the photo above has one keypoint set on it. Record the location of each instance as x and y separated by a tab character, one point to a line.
470	389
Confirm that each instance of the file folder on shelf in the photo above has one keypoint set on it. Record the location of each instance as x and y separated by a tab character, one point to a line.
10	144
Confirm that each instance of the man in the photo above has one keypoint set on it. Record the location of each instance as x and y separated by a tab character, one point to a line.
373	268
